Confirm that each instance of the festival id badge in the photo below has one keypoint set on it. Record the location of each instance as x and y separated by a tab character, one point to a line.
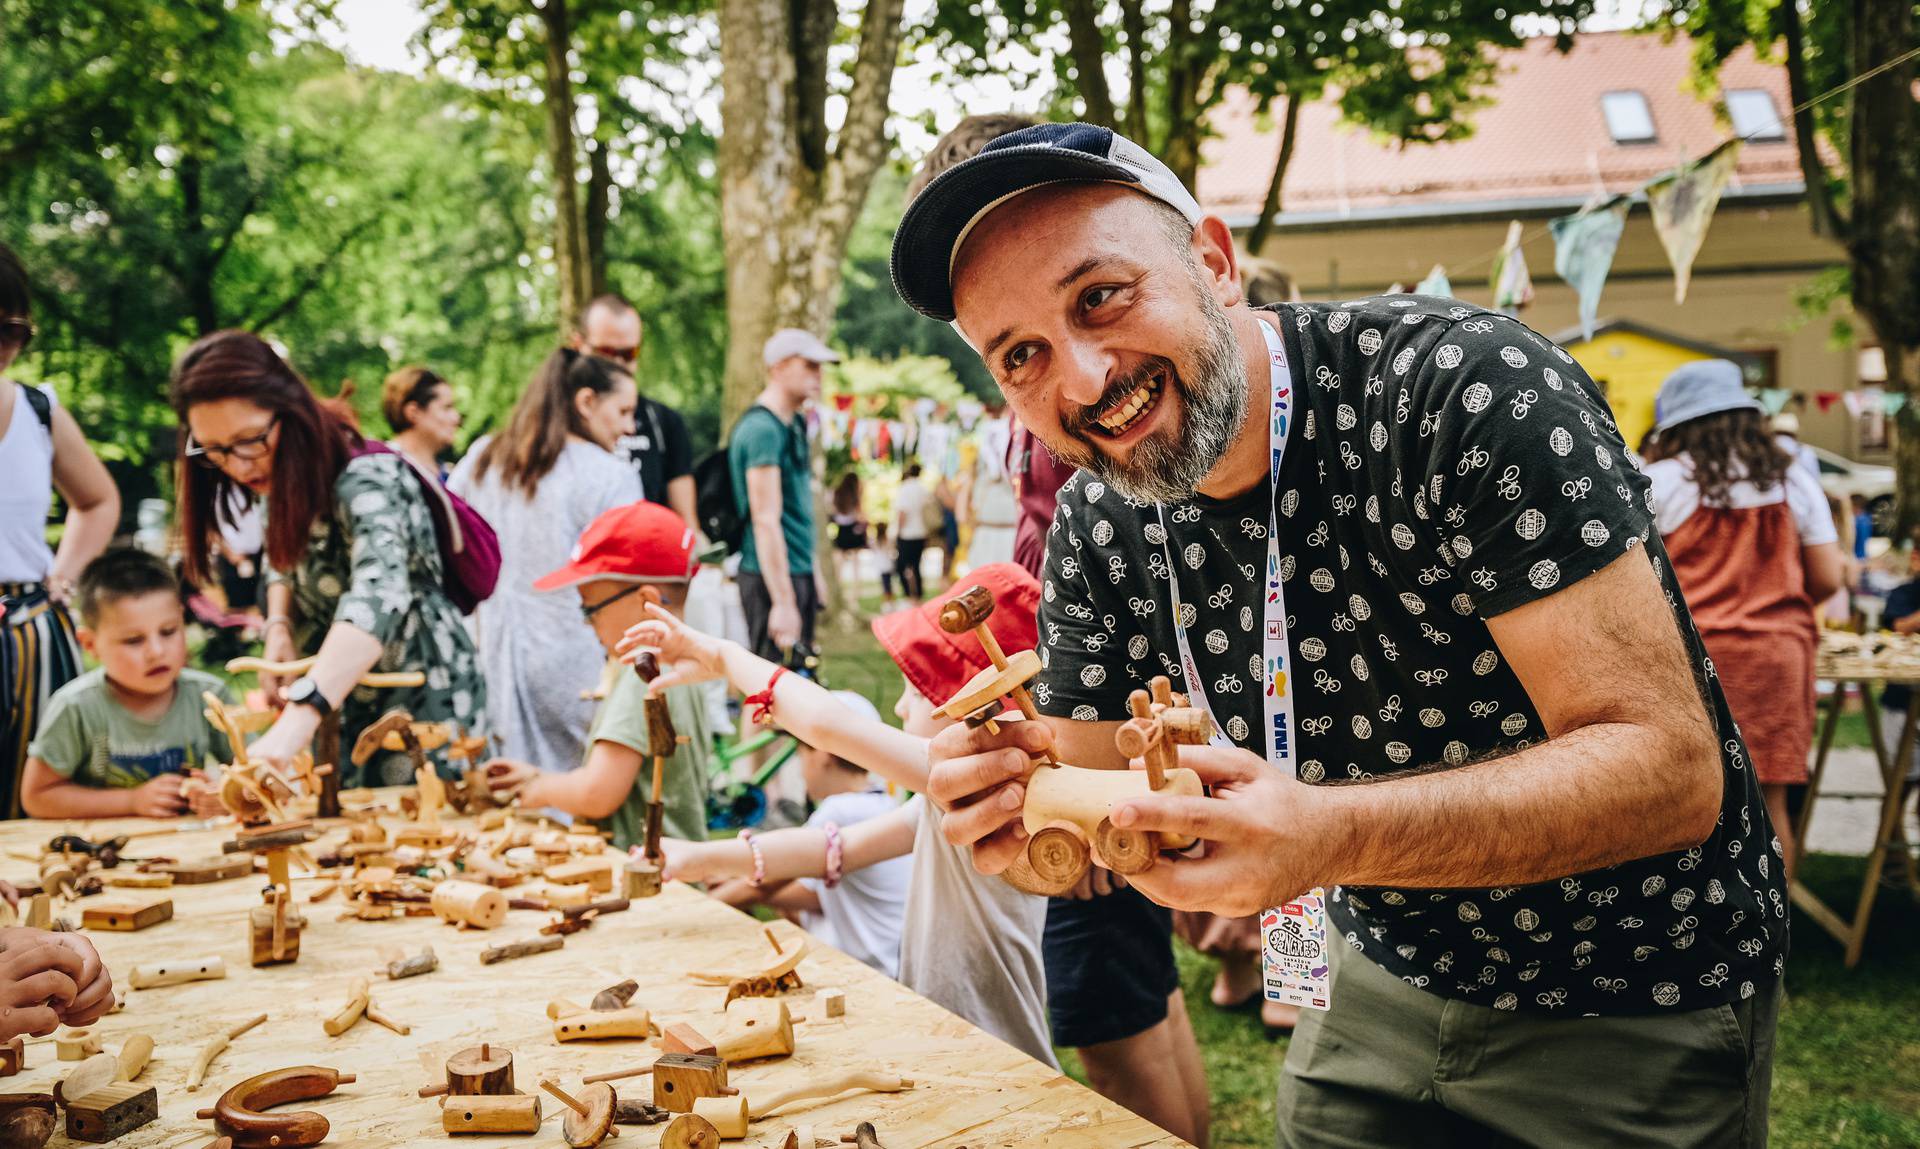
1293	952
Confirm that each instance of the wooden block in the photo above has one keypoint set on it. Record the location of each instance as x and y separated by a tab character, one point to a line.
600	1024
569	897
199	871
680	1078
834	1001
127	915
683	1038
112	1111
595	872
642	879
512	1113
13	1057
261	932
135	880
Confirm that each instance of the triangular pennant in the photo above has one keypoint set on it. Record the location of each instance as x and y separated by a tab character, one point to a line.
1435	284
1892	401
1825	400
1855	403
1774	398
1683	201
1584	244
1512	285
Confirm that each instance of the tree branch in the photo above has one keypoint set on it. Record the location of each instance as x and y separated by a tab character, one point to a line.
1089	49
1827	219
1133	22
315	275
1263	226
811	34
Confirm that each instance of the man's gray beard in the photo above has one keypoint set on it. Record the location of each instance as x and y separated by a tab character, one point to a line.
1166	466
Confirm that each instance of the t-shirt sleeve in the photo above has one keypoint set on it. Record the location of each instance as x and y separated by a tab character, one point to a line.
623	716
1810	511
677	451
1082	636
1675	498
1525	486
62	741
758	441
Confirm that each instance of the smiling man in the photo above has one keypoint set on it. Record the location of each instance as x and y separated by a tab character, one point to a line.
1398	549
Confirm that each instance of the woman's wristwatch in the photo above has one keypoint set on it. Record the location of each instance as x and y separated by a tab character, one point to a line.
306	692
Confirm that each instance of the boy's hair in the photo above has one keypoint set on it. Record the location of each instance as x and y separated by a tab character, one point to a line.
123	572
963	142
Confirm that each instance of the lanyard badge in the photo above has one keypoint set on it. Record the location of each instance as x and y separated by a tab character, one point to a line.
1293	937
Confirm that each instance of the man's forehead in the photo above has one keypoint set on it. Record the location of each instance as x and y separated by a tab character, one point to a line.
618	319
1048	232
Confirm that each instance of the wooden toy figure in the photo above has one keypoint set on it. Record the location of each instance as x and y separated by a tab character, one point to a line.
1067	807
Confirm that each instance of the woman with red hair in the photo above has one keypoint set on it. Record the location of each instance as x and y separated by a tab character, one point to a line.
358	580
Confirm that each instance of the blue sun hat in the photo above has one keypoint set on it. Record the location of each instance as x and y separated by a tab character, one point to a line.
1701	388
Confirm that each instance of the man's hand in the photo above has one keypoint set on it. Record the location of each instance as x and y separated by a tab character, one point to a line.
96	984
159	797
685	654
977	776
783	625
1267	838
39	981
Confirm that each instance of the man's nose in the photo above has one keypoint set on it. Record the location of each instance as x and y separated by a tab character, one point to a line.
1084	372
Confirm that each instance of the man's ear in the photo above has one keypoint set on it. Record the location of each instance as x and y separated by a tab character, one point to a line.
1213	248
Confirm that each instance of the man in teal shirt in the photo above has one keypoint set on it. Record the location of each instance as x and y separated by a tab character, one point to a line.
767	456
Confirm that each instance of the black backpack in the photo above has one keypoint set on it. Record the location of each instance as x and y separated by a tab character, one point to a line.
37	399
720	517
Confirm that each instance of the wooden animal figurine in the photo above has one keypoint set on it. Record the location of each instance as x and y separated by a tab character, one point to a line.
398	726
240	1112
589	1119
26	1120
469	904
216	1045
274	929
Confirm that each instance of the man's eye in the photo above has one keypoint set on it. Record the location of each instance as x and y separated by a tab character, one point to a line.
1018	357
1096	296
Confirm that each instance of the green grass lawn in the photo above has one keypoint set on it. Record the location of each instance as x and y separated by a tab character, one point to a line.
1847	1067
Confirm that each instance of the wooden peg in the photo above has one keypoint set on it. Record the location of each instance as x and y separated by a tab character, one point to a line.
491	1113
77	1044
213	1048
348	1015
520	949
164	973
469	904
590	1120
601	1024
619	1074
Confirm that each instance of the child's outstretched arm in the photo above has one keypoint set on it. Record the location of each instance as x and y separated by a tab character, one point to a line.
799	852
45	793
801	707
595	790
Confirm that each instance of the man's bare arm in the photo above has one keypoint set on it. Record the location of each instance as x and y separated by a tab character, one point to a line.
769	544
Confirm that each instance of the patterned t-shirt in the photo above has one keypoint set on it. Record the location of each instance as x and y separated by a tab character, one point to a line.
1445	465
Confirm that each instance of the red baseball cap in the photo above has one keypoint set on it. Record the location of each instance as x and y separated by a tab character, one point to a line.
640	542
938	664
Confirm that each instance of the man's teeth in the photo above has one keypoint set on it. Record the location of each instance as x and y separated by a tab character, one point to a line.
1116	421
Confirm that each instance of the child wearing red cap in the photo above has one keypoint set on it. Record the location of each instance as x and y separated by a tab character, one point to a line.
630	558
969	942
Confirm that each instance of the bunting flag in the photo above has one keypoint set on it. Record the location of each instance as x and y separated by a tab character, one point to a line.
1512	286
1855	403
1583	247
1774	399
1892	401
1435	284
1683	202
1825	400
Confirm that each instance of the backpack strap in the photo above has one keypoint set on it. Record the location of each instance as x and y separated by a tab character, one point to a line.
42	406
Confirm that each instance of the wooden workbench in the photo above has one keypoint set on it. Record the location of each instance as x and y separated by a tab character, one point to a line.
971	1089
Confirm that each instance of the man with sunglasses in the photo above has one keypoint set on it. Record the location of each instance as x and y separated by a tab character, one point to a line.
659	447
41	451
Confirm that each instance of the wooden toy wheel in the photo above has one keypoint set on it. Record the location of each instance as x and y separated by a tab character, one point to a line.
690	1132
1058	853
1125	851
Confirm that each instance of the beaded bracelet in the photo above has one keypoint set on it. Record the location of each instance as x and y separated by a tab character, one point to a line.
835	855
759	862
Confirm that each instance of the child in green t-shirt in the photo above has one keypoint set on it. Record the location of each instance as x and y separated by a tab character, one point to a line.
123	739
626	558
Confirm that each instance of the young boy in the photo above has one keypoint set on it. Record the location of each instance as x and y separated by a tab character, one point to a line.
122	739
628	557
969	942
855	909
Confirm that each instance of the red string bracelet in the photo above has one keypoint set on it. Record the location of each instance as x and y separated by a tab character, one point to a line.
760	706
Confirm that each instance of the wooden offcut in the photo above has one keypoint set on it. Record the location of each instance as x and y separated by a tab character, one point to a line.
127	914
112	1111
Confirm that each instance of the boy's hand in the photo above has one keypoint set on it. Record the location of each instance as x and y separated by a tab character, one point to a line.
685	654
682	861
160	798
203	796
96	983
505	776
39	982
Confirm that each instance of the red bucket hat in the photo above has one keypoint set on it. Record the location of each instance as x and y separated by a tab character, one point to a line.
640	542
938	664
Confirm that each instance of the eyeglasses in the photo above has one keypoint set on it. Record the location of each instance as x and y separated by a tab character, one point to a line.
16	333
251	447
618	354
587	612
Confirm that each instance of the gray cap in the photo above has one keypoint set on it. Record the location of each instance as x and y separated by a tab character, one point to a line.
1703	387
791	341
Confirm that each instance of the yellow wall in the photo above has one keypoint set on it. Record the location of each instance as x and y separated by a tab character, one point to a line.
1629	367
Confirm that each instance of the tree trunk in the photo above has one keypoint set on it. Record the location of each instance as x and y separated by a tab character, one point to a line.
1133	22
196	261
1181	151
1270	207
599	206
1884	231
569	248
1089	50
786	220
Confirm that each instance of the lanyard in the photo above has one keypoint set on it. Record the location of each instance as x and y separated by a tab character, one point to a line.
1277	694
1293	937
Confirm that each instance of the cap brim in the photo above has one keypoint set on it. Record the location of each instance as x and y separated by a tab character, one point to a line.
923	243
572	576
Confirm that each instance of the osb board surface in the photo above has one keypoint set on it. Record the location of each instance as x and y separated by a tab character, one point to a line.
971	1089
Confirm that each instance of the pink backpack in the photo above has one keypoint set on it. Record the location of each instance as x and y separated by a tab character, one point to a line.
469	550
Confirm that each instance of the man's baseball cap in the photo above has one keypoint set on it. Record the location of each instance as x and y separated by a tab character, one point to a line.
939	219
791	341
938	664
640	542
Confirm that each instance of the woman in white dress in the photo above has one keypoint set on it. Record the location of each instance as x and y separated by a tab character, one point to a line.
539	483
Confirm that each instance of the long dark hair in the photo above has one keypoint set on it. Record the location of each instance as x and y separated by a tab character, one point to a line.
543	418
1725	448
846	494
313	447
